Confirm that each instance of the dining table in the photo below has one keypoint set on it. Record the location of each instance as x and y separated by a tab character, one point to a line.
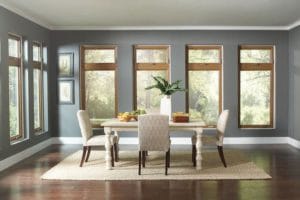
114	126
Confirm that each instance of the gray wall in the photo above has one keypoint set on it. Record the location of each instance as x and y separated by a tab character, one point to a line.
70	41
294	64
10	22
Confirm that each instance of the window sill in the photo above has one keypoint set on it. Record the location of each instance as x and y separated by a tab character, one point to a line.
42	132
18	141
273	128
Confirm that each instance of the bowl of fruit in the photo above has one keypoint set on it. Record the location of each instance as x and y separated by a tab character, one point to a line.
133	115
124	117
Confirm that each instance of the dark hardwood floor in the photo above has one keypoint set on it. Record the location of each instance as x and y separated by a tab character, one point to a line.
282	162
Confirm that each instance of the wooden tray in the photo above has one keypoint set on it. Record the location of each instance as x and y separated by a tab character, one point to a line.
181	119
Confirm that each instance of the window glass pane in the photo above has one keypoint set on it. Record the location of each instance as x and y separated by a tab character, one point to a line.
204	56
148	100
99	56
255	56
45	55
255	97
14	101
204	96
13	48
152	55
36	50
100	95
36	98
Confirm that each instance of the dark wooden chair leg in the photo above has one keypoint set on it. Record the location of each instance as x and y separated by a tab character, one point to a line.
194	155
144	158
116	152
147	153
112	156
88	153
221	154
169	158
140	158
166	164
83	156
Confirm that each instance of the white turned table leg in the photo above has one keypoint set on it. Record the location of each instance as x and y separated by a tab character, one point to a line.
108	144
198	148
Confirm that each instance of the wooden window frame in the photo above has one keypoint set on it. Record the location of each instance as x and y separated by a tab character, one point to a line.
39	66
148	66
205	67
97	67
257	67
18	62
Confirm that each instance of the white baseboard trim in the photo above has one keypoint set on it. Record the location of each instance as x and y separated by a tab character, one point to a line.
256	140
187	140
66	140
12	160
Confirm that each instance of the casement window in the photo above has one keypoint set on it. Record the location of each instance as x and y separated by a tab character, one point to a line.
256	86
204	81
15	76
98	82
149	61
37	86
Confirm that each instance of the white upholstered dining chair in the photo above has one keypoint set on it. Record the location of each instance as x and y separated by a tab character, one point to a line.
216	139
89	140
153	134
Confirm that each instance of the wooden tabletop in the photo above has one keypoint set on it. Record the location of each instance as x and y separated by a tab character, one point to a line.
134	124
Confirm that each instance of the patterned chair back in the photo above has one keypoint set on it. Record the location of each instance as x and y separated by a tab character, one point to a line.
153	132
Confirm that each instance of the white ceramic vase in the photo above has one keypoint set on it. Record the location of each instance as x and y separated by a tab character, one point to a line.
166	106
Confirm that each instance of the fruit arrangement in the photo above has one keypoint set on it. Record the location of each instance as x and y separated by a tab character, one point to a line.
180	117
133	115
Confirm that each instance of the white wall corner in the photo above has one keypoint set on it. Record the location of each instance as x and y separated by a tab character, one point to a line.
293	142
9	6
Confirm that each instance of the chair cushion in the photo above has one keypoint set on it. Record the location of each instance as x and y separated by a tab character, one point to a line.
205	139
99	140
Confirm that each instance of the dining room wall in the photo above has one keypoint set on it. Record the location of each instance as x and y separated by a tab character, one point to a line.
15	24
294	67
65	122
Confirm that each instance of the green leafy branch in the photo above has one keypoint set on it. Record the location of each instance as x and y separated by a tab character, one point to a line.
165	87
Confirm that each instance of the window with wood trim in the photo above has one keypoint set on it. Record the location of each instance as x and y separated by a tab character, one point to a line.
98	82
15	77
149	61
37	86
204	81
256	86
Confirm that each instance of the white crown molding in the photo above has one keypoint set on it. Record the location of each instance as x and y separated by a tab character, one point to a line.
42	23
17	11
181	28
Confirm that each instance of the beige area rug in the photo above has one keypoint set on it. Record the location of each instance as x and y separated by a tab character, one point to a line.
181	167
